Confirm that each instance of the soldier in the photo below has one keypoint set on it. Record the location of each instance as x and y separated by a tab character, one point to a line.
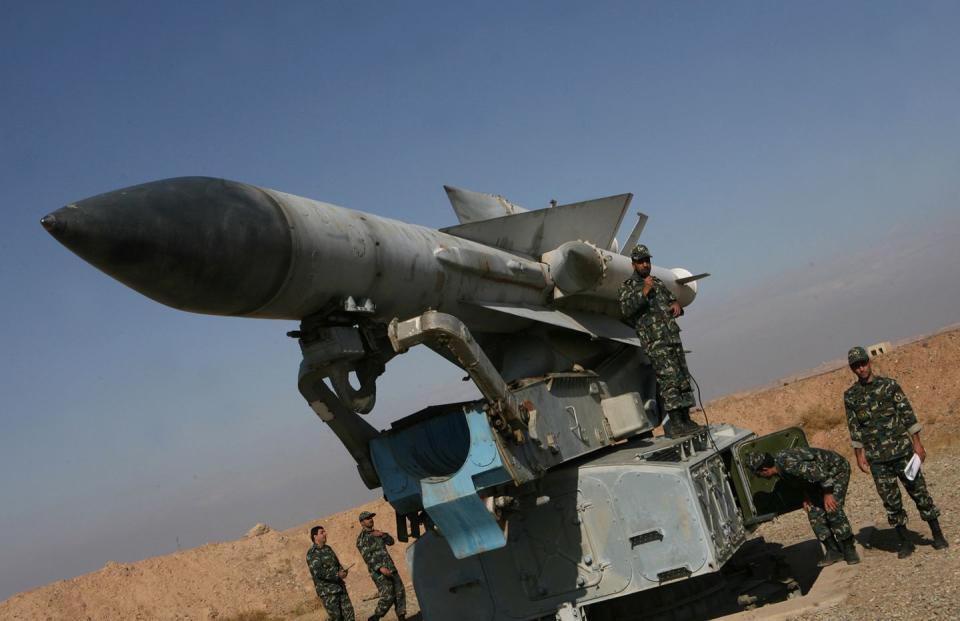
885	434
328	575
824	476
373	544
651	309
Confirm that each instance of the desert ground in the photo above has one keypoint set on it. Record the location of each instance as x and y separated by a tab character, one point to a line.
263	577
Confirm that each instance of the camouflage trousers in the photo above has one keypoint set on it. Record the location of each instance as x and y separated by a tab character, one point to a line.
338	606
391	593
836	523
673	378
885	475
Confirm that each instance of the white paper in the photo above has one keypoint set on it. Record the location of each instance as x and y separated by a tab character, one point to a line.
913	467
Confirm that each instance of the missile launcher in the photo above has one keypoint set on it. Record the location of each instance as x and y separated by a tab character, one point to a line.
547	497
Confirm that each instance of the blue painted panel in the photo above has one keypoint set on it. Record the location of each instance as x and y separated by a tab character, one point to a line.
415	468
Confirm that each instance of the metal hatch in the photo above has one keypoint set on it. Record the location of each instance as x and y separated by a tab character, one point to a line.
762	499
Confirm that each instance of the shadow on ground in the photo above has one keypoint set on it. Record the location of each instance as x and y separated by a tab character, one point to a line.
886	540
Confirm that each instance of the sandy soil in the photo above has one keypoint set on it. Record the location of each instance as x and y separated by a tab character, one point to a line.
260	577
263	576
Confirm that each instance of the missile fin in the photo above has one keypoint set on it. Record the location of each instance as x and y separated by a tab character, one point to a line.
532	233
634	234
473	206
694	278
598	326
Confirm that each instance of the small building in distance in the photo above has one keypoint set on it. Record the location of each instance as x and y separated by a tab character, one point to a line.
879	348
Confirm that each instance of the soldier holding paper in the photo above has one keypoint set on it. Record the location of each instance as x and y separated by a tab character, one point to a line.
885	435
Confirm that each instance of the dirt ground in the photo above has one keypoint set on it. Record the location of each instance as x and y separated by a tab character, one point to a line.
263	576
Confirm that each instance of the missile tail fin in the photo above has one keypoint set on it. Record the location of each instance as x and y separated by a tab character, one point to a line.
532	233
473	206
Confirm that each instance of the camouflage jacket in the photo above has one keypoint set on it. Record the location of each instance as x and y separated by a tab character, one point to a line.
649	314
880	419
324	567
813	465
373	549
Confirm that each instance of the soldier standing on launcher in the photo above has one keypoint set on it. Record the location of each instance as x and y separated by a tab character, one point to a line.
373	544
824	476
328	575
651	309
885	434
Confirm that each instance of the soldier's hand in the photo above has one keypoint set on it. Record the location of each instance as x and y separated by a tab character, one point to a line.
342	574
830	503
919	450
647	284
385	571
675	309
377	533
863	465
806	505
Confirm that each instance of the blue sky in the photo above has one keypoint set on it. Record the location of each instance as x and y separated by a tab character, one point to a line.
804	153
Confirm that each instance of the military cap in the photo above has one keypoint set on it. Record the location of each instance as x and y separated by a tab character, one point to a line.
756	461
857	354
639	252
366	514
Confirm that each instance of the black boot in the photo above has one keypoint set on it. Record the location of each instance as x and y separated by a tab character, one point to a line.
373	618
906	546
674	428
831	552
401	617
939	541
850	551
689	424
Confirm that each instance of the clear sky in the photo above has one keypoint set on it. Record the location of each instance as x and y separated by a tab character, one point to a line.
807	154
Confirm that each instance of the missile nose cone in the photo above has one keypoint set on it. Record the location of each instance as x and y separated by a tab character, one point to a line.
50	223
194	243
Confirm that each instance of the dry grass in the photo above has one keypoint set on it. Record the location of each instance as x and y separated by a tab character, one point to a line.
306	606
819	418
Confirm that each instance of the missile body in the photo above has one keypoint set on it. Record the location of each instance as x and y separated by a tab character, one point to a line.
227	248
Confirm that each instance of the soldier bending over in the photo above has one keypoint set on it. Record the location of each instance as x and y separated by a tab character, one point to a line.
824	476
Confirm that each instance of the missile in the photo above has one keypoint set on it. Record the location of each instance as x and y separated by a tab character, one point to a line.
226	248
534	289
222	247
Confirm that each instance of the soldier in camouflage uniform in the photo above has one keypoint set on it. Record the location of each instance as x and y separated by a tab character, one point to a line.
651	309
373	544
885	434
328	575
824	476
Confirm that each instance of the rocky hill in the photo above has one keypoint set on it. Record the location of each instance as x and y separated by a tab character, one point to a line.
263	576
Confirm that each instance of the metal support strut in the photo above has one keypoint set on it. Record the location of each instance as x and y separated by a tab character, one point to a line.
442	330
